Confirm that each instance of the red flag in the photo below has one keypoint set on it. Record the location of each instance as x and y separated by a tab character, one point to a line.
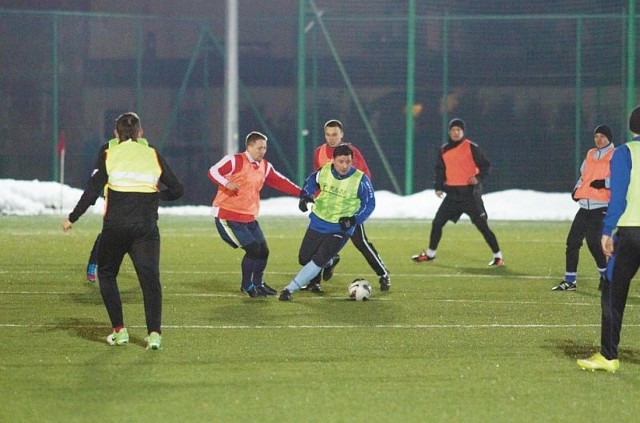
61	143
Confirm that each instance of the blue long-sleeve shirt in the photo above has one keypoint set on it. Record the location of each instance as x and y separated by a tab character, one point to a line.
619	180
365	194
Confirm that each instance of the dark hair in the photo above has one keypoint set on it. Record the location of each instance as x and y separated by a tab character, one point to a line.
128	126
333	123
254	136
634	120
342	150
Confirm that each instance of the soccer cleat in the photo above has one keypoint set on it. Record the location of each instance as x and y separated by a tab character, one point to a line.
497	262
422	257
565	286
254	292
285	295
314	287
154	341
598	362
92	271
118	338
267	289
385	283
327	272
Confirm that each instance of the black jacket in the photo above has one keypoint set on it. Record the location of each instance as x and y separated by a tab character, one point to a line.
124	208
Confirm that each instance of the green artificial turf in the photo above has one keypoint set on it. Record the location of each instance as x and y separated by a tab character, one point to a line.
454	340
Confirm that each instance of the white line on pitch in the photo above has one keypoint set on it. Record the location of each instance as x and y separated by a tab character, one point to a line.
417	326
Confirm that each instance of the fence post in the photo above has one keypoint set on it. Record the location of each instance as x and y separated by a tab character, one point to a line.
411	64
631	57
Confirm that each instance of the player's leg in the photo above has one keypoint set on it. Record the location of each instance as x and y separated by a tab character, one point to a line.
238	235
318	249
624	266
145	256
369	252
257	254
310	243
593	234
114	244
572	252
476	211
92	264
448	210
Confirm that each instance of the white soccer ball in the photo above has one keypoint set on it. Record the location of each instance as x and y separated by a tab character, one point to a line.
359	290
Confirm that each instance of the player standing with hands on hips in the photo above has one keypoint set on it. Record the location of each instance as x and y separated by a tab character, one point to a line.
592	194
460	168
132	172
622	248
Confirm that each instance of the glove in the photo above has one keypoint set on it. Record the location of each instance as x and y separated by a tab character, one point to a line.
597	184
304	200
347	223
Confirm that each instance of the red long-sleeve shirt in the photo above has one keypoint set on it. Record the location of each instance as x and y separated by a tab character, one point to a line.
232	164
324	154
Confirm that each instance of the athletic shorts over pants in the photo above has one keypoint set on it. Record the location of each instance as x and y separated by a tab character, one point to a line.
320	247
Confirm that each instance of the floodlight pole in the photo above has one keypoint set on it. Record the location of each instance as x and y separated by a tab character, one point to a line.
231	79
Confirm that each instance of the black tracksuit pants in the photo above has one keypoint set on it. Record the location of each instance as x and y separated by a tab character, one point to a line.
587	225
621	269
142	242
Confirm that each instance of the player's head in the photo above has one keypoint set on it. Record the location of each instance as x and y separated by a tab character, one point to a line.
634	121
256	144
456	129
128	126
333	132
602	136
342	158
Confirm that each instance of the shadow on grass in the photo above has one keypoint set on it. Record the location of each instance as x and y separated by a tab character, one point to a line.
572	349
595	293
502	271
89	330
92	295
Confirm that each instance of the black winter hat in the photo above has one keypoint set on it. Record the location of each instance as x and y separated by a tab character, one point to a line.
604	130
456	122
634	120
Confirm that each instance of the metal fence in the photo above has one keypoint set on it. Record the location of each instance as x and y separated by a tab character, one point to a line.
531	88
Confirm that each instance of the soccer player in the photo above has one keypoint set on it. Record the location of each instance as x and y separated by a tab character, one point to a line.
592	193
240	178
460	168
345	200
333	135
622	248
132	172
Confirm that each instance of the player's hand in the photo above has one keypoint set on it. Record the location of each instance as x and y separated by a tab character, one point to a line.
607	245
347	223
233	187
66	225
598	184
473	181
304	200
439	194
